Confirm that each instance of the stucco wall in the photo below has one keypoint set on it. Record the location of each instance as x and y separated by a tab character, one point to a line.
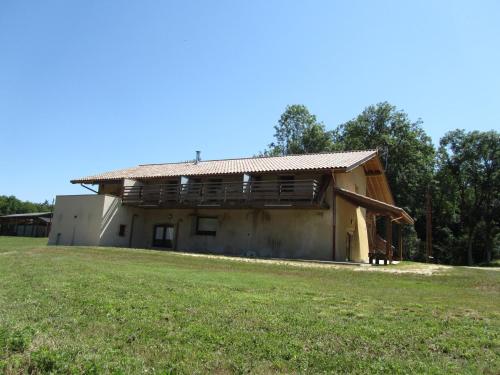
351	219
113	215
266	233
110	188
77	220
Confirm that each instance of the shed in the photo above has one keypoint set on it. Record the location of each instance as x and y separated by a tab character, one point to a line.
35	224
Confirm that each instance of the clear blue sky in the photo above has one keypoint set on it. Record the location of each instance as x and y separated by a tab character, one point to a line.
90	86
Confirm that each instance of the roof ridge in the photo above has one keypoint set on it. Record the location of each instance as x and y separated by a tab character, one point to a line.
259	157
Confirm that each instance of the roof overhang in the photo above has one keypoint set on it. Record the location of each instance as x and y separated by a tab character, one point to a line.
91	181
396	213
28	215
377	185
338	161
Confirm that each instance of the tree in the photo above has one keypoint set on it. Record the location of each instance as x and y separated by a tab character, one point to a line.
298	132
463	177
12	205
468	179
406	152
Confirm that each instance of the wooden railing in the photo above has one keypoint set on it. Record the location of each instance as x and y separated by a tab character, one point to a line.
251	193
378	250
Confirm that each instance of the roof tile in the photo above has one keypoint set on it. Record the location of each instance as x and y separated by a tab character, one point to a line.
333	160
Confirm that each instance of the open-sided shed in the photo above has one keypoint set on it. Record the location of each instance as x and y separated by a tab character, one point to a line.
35	224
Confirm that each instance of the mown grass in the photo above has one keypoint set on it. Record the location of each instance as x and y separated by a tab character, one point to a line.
102	310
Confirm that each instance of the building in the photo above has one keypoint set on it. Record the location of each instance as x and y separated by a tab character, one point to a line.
314	206
28	225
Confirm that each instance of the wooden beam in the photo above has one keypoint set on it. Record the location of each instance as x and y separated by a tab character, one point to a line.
388	239
373	173
325	181
400	243
428	226
334	215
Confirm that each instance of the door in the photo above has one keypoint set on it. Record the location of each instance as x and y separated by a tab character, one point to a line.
348	247
163	236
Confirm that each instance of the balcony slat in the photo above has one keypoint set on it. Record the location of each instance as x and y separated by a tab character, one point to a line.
223	193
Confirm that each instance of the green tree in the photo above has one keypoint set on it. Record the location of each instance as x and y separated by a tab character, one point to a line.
468	200
298	132
406	151
463	177
12	205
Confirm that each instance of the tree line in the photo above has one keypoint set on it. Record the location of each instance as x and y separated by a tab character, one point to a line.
461	174
11	205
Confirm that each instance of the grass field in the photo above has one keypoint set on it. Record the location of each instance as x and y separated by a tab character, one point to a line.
95	310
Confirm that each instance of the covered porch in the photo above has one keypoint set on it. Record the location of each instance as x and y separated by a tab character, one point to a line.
380	248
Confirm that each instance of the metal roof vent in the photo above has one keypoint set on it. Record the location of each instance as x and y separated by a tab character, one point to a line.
198	157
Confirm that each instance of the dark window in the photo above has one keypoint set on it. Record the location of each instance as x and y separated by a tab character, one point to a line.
121	231
206	226
286	183
214	188
194	188
195	180
171	190
256	182
163	235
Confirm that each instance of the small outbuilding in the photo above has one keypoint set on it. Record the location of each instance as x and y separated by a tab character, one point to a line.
35	224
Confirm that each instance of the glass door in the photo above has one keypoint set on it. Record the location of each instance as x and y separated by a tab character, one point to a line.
163	236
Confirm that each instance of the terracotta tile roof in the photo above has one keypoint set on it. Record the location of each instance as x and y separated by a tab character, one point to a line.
322	161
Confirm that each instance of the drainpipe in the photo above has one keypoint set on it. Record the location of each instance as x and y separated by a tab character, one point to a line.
334	216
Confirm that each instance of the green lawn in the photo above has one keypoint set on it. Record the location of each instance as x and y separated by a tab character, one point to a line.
95	310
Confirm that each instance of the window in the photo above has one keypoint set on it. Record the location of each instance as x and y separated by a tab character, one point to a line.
195	180
171	190
194	187
215	185
256	182
163	235
206	225
286	183
121	231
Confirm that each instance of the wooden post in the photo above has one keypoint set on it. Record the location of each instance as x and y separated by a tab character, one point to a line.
400	243
388	239
334	216
428	227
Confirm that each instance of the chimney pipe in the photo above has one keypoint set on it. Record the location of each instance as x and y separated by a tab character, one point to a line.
198	157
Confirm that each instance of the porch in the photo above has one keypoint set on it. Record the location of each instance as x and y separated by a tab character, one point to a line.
380	249
307	193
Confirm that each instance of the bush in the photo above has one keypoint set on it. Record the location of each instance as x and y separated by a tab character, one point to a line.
45	360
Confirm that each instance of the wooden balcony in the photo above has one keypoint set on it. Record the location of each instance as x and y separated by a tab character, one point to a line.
269	194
